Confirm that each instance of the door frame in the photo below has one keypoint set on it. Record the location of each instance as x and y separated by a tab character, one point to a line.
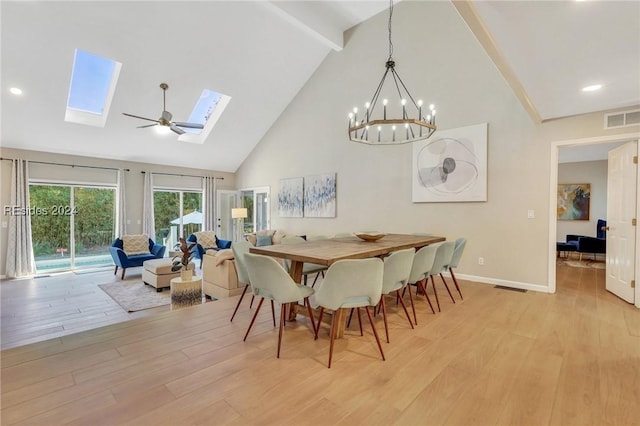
553	188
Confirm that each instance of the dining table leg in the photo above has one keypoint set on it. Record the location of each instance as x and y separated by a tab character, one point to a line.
295	272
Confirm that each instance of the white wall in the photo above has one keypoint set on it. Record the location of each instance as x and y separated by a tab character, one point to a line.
441	62
595	173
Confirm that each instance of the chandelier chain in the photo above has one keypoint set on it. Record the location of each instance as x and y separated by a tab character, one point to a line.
390	42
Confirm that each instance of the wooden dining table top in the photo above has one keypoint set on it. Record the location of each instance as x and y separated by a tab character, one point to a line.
329	251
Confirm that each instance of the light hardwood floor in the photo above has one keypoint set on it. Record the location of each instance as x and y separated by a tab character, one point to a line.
500	357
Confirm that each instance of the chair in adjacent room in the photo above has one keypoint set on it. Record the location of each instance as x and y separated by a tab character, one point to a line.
397	267
594	245
351	283
307	268
270	281
458	249
133	250
444	252
420	269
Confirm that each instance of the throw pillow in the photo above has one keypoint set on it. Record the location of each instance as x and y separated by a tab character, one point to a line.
135	244
252	238
263	240
277	237
222	255
207	239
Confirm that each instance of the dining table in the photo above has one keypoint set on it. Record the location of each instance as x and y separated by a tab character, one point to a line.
328	251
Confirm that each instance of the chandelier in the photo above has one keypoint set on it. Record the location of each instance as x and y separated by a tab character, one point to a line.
402	121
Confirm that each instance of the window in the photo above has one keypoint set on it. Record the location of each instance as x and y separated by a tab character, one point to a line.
207	110
93	83
176	214
256	201
72	226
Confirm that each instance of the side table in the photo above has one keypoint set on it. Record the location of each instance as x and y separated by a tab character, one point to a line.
186	293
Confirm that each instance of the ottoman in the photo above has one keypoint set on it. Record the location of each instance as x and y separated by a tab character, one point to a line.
157	273
566	248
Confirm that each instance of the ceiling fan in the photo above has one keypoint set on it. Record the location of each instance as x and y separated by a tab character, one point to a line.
165	118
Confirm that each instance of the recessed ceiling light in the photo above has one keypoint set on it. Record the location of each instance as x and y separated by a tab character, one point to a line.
16	91
592	88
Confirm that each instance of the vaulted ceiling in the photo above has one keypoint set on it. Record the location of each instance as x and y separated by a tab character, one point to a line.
262	53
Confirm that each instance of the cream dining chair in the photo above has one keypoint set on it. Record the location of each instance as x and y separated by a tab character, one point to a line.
270	281
455	260
397	267
240	250
443	257
352	283
420	269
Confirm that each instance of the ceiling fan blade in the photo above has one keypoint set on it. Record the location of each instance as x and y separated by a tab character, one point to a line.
146	125
176	129
189	125
137	116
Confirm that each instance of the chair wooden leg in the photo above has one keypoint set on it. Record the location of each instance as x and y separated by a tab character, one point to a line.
273	312
116	271
455	281
313	323
384	316
319	322
349	320
375	333
122	276
433	284
239	301
359	321
251	303
282	314
413	307
447	287
253	319
424	290
406	312
332	336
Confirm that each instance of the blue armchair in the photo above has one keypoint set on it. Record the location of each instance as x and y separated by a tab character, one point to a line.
595	245
122	260
198	250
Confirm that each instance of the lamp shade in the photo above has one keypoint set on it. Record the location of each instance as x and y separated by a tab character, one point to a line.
238	213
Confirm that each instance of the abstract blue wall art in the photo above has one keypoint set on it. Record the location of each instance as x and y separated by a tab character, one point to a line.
320	195
290	196
451	166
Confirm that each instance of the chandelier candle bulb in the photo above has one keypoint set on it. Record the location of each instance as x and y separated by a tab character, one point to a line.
367	105
404	108
394	132
406	126
384	106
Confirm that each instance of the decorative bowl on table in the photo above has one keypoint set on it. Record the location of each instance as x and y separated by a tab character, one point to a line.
370	236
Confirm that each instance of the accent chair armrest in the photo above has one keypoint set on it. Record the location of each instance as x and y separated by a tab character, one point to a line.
158	250
119	256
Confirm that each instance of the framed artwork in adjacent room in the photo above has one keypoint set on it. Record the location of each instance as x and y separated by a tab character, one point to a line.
574	201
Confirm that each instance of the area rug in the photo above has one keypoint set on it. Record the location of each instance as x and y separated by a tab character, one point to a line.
585	263
135	295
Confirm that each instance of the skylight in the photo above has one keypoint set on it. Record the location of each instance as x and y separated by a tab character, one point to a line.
207	111
93	82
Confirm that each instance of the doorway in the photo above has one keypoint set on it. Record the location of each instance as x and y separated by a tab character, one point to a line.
554	154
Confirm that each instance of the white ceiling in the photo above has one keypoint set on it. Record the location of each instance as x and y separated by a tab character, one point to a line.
261	54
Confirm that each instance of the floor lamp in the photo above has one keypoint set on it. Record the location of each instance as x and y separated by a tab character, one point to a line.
239	214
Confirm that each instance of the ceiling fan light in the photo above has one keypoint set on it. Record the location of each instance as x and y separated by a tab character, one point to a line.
162	130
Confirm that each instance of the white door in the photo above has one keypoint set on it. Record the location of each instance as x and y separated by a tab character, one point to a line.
226	200
621	212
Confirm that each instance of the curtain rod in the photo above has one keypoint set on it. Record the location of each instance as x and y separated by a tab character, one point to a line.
181	175
68	165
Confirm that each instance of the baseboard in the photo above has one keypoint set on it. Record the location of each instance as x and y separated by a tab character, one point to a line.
505	283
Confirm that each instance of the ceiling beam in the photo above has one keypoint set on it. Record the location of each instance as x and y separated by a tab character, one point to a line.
470	15
307	17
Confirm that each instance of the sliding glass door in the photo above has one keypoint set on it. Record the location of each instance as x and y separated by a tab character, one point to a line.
256	201
72	226
176	214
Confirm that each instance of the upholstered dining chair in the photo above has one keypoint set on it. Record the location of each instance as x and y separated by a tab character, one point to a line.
443	258
240	250
397	267
307	268
420	269
351	283
270	281
458	249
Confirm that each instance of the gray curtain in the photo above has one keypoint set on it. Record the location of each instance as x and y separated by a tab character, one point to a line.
148	224
121	215
209	203
20	258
